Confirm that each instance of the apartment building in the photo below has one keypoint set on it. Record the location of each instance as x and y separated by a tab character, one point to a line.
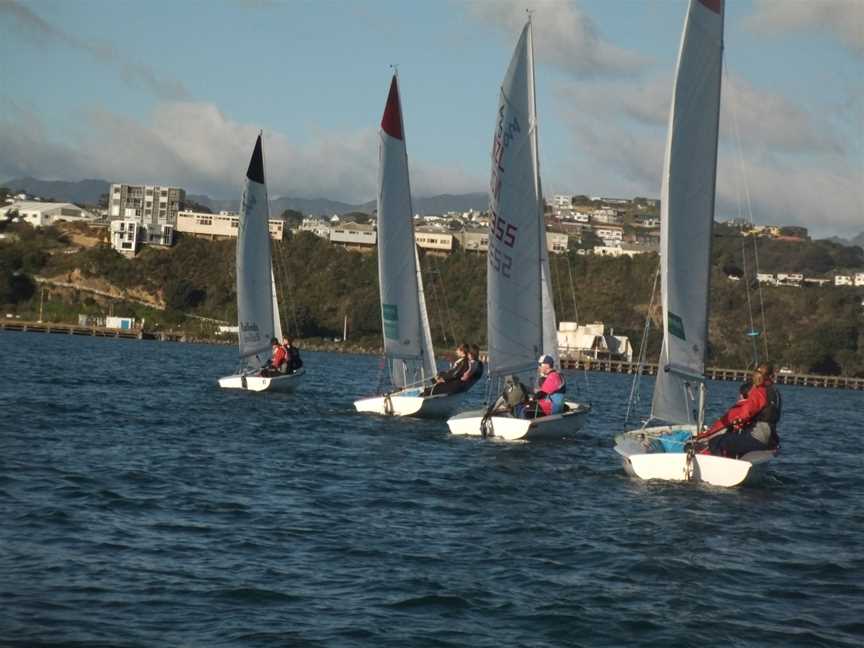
221	225
153	207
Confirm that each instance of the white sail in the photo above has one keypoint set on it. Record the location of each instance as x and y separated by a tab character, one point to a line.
255	316
277	324
687	213
513	283
407	342
429	366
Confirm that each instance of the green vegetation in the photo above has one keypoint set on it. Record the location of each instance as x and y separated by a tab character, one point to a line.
817	330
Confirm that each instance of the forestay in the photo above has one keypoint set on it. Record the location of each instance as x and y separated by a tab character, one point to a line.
255	288
687	213
407	338
513	284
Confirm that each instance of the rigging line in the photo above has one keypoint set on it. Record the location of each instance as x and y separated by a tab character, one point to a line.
447	315
555	282
749	204
643	349
752	332
438	308
572	290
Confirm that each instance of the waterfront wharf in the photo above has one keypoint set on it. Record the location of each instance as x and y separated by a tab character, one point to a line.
60	328
579	364
715	373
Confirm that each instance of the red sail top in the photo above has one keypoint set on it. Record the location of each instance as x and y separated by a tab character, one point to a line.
714	5
391	123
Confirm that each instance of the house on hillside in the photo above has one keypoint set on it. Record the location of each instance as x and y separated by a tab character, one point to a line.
44	214
591	342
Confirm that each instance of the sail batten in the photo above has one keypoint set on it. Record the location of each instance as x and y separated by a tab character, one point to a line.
687	213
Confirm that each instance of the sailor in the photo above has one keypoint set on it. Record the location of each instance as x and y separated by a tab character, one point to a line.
448	382
292	355
750	424
474	371
275	364
551	386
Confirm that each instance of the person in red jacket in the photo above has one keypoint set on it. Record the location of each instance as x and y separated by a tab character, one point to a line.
279	358
740	430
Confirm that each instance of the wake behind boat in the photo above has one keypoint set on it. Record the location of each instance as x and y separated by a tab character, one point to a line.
520	313
408	352
687	217
257	306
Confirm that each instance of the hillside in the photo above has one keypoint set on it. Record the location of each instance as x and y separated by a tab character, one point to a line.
808	329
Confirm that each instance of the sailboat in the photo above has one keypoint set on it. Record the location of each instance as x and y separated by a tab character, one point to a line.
408	351
520	313
687	218
257	306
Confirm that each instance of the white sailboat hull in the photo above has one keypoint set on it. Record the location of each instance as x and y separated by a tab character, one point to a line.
286	383
672	466
440	406
509	428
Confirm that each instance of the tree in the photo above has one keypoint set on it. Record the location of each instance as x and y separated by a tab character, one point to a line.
292	218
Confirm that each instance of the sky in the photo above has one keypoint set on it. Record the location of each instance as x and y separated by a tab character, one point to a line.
174	92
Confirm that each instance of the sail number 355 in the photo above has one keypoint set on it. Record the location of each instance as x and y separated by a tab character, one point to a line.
505	232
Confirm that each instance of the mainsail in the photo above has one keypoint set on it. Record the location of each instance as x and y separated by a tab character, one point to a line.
255	293
407	339
687	213
516	239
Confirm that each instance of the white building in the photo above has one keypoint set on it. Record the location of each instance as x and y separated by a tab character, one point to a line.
610	234
126	236
606	215
221	225
591	341
556	242
859	278
789	279
153	207
562	200
473	240
44	214
844	280
354	234
317	225
766	278
622	249
433	239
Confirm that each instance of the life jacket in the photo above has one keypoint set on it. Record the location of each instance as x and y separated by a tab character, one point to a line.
561	390
771	412
294	362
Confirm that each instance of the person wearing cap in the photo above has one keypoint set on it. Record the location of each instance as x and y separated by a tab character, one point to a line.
551	386
279	358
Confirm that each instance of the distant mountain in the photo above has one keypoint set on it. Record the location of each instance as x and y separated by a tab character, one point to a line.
89	191
324	207
857	240
85	191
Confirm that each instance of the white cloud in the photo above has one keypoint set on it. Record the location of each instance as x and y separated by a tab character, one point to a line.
194	145
797	168
45	34
842	18
564	37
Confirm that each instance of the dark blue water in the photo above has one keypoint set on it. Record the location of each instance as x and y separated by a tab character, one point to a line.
143	506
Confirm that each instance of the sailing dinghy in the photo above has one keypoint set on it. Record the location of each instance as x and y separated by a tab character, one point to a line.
408	351
520	313
257	307
687	217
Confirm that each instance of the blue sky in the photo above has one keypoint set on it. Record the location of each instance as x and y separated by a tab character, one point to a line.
174	93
